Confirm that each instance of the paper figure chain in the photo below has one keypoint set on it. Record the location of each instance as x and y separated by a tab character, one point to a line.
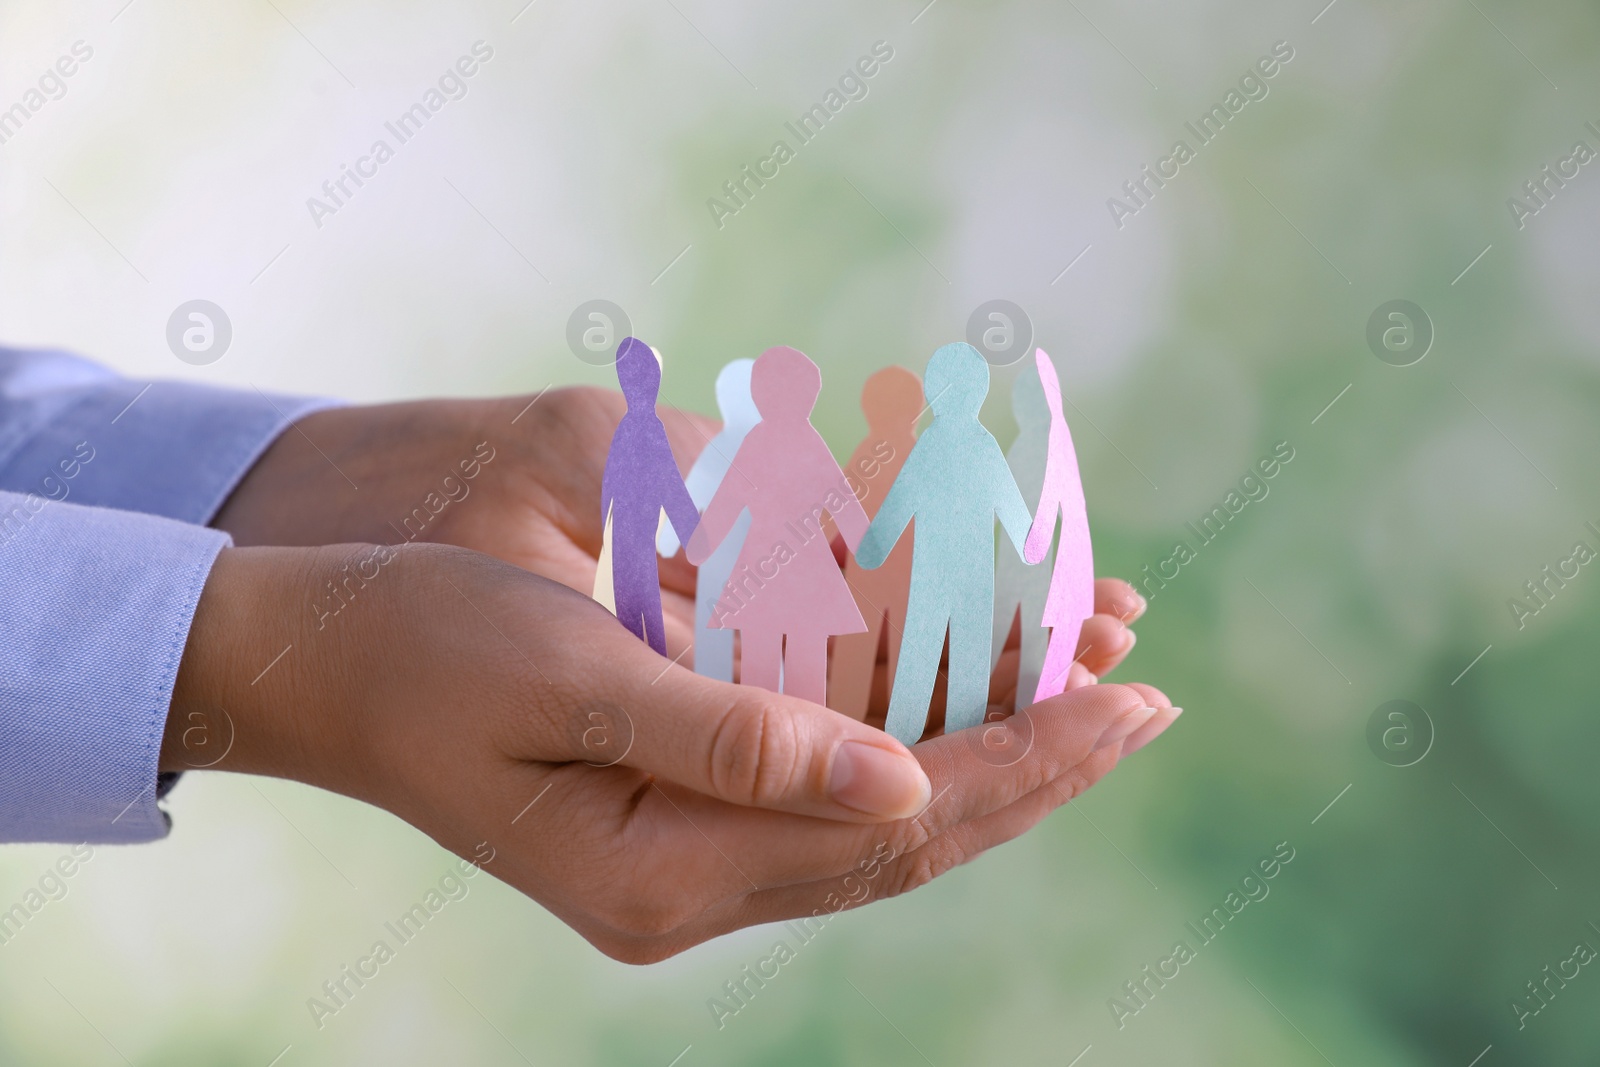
773	496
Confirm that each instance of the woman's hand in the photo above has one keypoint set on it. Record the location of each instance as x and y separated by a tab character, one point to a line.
647	807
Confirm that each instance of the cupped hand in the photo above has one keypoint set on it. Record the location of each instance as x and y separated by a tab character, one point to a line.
647	807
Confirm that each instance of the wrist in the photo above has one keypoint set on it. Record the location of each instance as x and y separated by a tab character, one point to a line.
351	474
250	695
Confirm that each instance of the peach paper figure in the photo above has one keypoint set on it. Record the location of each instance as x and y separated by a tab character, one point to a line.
1019	589
892	401
954	485
713	649
1071	598
786	594
641	479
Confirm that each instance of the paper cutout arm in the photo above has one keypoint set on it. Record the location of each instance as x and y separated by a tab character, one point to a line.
852	518
1043	530
739	413
702	481
705	475
1011	509
717	521
701	477
894	515
679	506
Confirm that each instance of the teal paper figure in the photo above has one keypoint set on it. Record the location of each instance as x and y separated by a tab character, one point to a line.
1071	598
713	649
1020	589
641	479
954	484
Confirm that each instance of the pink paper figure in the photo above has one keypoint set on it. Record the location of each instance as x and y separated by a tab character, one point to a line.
1021	589
892	401
786	594
641	479
1071	598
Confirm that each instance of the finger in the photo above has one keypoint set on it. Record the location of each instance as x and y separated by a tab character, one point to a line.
1049	747
1153	696
1113	596
727	851
880	871
739	743
1103	643
1150	730
1079	676
1164	717
910	870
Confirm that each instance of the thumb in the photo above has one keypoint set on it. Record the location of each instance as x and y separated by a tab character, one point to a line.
746	745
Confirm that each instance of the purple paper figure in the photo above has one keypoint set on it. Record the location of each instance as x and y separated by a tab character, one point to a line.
1071	597
786	593
641	479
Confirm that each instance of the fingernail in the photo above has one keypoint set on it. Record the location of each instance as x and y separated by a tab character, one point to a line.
1151	730
1144	605
1123	725
1128	639
878	782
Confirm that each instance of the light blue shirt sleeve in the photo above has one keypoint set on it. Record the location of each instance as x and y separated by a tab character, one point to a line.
164	448
99	583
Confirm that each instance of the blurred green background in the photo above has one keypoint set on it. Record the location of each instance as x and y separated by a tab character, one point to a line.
1222	318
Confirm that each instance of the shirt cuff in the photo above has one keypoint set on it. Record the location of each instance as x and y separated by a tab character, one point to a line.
95	609
163	448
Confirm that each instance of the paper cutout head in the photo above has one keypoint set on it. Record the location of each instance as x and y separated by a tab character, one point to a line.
1049	381
639	373
785	384
891	399
957	381
733	393
1031	404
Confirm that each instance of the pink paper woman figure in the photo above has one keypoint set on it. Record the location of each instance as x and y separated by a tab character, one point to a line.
641	478
892	401
786	594
1071	598
1020	589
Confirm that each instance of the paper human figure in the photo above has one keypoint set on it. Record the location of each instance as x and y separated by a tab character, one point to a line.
954	484
713	649
1020	589
892	401
640	481
1071	598
786	594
